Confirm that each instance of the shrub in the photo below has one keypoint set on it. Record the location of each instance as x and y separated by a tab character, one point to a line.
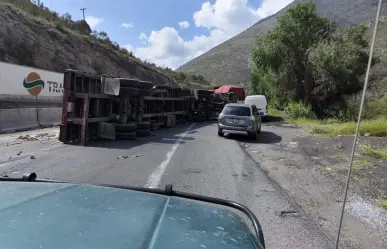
299	110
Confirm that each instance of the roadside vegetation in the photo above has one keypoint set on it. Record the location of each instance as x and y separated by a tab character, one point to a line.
383	204
313	73
63	24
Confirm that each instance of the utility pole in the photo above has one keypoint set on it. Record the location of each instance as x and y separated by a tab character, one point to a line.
83	11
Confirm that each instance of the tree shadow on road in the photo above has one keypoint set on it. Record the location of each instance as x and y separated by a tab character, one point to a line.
265	137
171	136
273	119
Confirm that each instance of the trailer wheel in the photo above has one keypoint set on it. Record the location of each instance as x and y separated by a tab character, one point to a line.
143	133
143	126
126	136
125	128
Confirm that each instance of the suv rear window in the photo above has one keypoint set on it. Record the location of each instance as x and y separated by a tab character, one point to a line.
237	111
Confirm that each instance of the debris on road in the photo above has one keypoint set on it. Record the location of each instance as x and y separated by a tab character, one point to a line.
27	138
289	213
39	137
126	157
32	157
339	146
293	144
13	143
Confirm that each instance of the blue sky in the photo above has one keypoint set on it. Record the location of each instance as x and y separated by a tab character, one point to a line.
203	24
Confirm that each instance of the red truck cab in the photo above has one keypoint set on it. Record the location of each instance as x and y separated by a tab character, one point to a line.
238	91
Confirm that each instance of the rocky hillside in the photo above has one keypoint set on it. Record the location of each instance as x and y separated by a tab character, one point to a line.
228	62
35	36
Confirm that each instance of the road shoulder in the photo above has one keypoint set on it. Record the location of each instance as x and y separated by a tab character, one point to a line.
306	180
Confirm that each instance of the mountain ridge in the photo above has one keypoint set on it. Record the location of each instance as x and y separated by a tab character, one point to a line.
227	63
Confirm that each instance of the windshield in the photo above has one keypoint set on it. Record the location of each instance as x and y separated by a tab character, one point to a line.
237	111
146	93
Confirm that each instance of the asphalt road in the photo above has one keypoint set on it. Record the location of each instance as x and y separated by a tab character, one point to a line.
191	157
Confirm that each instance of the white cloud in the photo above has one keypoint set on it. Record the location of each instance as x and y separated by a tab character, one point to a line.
127	25
93	21
128	47
184	24
224	19
143	36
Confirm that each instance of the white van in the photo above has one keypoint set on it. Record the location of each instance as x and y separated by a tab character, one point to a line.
259	101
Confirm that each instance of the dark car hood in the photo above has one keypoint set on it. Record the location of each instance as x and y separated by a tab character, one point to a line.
56	215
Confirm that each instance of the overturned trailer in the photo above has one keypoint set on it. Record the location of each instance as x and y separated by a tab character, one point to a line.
101	107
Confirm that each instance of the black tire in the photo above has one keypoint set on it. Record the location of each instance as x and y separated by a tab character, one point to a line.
143	126
220	134
126	136
126	128
143	133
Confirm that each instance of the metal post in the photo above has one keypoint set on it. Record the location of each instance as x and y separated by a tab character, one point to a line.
83	11
85	115
358	124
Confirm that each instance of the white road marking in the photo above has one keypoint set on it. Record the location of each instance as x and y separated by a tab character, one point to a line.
155	177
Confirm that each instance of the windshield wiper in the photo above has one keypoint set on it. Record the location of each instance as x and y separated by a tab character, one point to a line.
168	191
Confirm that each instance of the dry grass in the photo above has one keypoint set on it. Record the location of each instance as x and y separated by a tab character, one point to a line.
367	150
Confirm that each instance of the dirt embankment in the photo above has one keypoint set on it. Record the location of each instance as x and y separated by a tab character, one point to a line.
34	42
312	170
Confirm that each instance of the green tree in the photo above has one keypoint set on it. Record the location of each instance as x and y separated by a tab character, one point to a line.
305	58
82	27
103	35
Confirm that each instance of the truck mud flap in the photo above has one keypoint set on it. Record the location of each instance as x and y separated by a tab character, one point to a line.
107	130
111	86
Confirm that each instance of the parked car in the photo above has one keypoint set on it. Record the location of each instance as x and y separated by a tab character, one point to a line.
260	102
240	118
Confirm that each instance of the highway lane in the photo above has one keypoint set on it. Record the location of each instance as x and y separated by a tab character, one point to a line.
191	157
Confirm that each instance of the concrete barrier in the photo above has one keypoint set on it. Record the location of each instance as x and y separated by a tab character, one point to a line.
26	118
49	116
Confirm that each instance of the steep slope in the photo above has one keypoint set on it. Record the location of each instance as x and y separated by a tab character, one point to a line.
35	36
228	62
